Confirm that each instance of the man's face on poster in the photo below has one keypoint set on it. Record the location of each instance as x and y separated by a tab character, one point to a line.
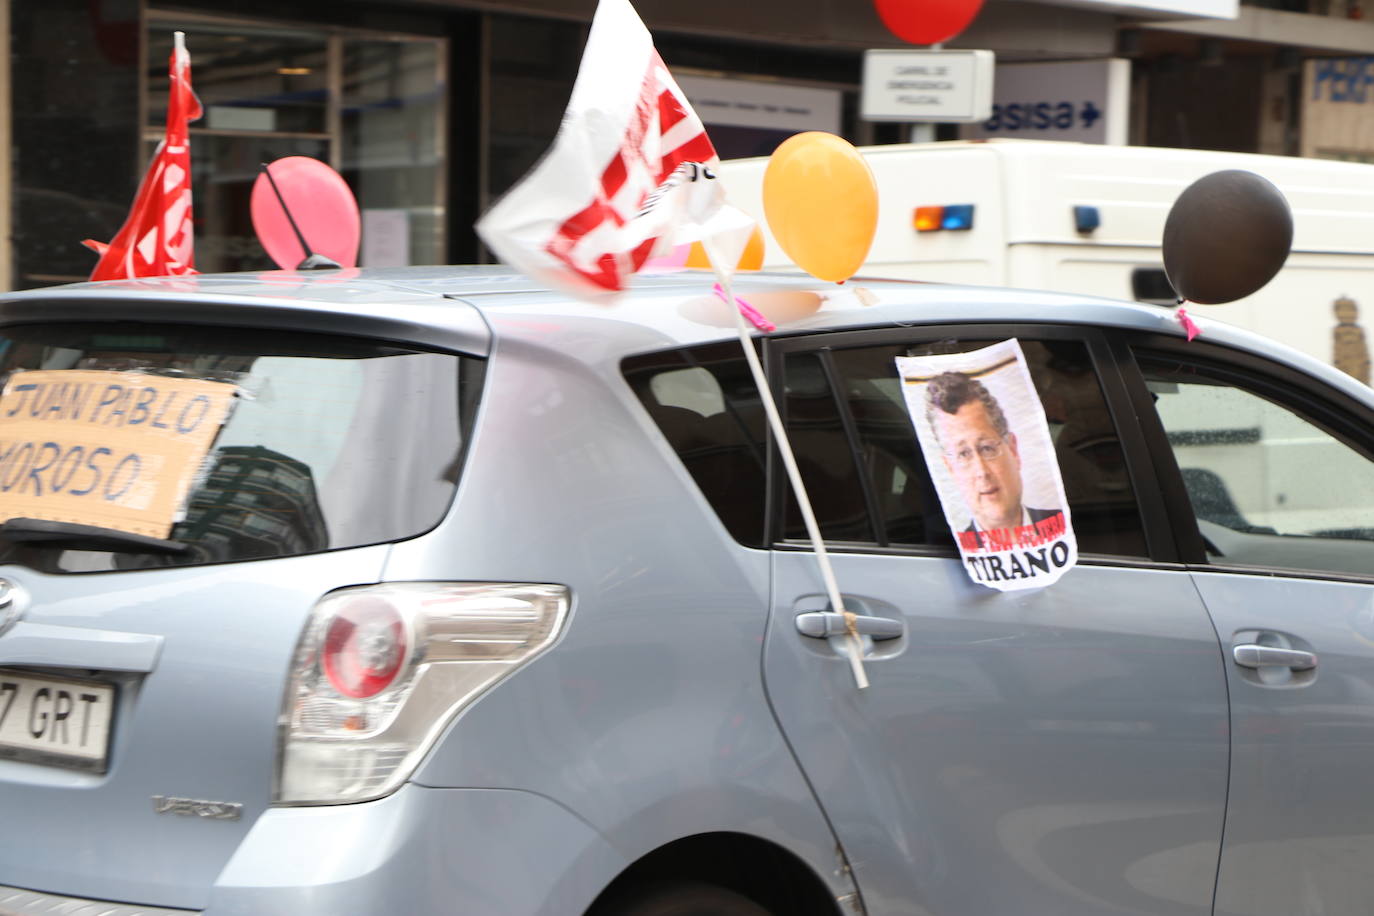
985	465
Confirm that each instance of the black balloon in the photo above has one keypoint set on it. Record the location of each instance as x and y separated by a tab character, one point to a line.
1226	236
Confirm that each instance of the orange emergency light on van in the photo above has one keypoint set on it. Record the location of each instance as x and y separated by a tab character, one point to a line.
949	216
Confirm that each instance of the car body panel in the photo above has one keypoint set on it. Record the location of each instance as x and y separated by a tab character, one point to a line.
479	852
655	679
202	724
1045	751
677	305
280	301
1299	835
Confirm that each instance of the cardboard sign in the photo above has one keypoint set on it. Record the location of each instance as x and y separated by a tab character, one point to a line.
116	450
983	432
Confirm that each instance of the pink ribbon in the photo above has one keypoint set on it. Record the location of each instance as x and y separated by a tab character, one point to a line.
1189	326
748	311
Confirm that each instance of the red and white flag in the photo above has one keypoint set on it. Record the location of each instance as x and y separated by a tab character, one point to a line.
156	240
629	169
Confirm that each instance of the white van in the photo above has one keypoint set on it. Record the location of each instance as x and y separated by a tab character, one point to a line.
1085	218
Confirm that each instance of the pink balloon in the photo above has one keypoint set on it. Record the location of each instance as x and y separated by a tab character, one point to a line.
322	206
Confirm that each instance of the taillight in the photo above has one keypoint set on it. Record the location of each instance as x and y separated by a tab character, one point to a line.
382	669
364	647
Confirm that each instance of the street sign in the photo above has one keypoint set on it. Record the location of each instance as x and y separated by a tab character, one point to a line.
939	86
1336	95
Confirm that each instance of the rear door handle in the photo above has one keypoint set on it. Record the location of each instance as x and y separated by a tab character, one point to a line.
821	624
1253	656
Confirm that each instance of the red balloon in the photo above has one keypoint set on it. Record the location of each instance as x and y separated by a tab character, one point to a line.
323	212
927	22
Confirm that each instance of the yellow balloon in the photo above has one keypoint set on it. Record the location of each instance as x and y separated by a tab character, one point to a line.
821	203
750	259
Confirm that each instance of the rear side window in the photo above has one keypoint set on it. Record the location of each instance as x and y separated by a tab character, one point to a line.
333	442
705	403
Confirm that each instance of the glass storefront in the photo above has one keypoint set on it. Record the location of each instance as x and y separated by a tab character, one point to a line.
370	105
73	111
533	63
428	113
392	129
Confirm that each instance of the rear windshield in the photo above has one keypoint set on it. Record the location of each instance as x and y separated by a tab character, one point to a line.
330	442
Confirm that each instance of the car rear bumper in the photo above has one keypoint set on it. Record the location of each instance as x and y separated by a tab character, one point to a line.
421	850
481	852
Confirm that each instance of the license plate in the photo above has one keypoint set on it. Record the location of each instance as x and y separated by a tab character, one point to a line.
55	721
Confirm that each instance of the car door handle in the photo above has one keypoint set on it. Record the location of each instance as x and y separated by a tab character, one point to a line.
821	624
1252	656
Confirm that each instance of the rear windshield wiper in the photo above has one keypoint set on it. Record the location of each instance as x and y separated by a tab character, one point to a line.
84	537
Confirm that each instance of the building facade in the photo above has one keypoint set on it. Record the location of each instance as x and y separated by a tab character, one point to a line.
431	109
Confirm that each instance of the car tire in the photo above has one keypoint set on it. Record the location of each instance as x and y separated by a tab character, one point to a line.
679	898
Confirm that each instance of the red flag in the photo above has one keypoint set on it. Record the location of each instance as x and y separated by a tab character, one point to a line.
156	240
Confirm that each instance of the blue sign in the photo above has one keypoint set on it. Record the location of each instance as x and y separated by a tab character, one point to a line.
1342	79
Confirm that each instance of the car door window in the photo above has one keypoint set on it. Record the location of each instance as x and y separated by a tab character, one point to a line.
825	456
863	467
1269	486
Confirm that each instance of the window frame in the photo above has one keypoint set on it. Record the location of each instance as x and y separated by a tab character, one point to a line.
1122	406
1325	407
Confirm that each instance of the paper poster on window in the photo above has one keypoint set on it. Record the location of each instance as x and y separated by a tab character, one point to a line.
116	450
983	432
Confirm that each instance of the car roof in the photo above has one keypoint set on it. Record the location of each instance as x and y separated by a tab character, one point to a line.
467	308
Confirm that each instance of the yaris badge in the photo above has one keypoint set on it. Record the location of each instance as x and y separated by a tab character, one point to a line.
197	807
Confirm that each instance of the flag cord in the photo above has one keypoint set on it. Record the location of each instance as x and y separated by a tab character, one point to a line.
854	644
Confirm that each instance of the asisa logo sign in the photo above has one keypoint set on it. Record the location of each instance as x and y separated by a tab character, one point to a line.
1086	101
1042	116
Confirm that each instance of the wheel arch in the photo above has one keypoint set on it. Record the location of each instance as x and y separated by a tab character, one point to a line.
759	869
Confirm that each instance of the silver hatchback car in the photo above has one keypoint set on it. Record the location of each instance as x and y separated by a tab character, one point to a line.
473	600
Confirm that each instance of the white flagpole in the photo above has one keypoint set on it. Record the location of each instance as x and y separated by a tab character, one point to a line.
853	643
